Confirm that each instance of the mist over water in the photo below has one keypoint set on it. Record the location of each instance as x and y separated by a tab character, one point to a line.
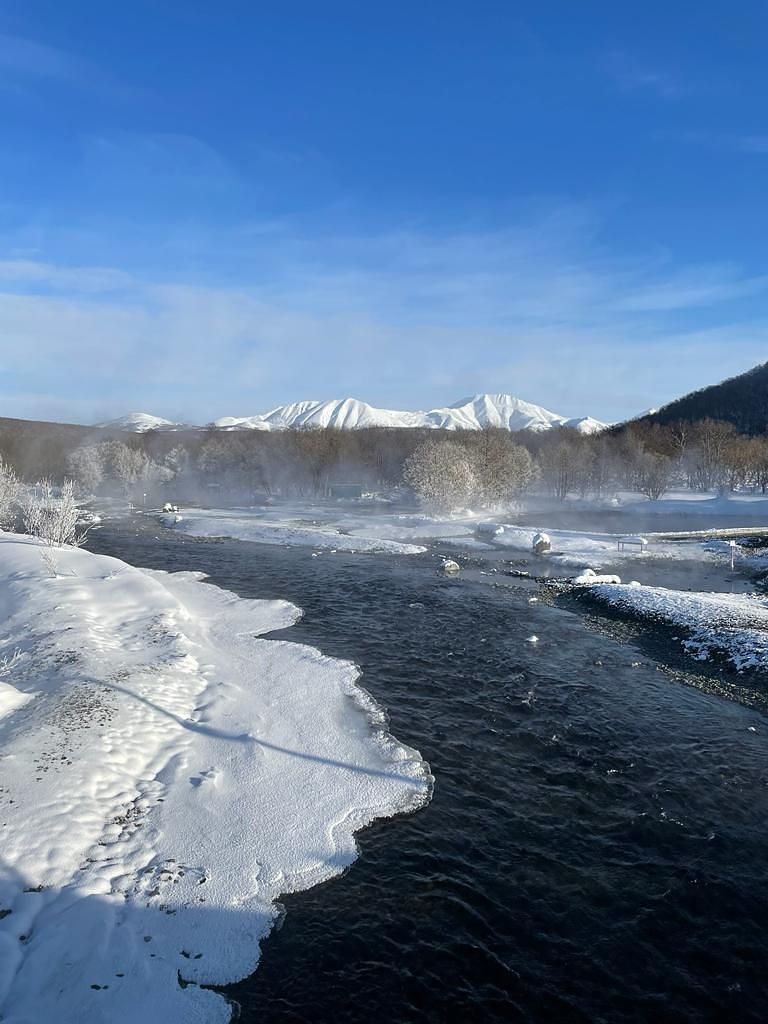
595	846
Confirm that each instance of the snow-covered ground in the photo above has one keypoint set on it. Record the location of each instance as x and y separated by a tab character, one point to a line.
585	549
674	503
285	527
346	528
735	625
744	506
164	775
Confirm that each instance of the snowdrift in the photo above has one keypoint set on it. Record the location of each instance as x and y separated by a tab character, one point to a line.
165	775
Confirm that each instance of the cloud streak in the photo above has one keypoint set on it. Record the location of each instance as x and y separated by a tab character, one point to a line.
26	57
631	75
405	318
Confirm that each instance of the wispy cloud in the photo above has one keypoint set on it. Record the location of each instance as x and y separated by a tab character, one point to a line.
405	318
735	142
27	64
33	274
27	57
692	288
632	75
748	143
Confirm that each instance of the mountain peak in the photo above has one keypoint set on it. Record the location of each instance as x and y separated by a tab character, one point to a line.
140	422
475	413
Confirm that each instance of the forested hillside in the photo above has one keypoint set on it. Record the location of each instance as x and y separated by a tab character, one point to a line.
742	401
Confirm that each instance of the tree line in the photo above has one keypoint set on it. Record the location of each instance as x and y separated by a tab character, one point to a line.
444	468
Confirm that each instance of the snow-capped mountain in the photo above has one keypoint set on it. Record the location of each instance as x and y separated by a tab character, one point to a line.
139	422
641	415
344	413
585	425
473	413
468	414
495	411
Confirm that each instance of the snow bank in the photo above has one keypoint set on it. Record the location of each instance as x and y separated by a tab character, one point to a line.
165	775
266	529
735	625
693	503
331	528
581	548
589	578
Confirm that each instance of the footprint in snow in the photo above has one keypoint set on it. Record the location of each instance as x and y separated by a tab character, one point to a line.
209	775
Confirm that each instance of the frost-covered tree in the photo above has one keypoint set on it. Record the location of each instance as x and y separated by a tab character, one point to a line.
503	469
50	516
214	456
441	475
86	465
177	461
9	488
133	468
128	465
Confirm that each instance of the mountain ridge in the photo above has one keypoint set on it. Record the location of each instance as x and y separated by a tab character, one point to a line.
473	413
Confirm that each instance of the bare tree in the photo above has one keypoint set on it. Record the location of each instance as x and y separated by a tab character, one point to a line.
503	469
655	474
129	465
9	487
557	468
50	516
441	475
86	465
177	460
707	454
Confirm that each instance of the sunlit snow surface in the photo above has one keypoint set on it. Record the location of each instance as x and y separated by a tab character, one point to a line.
306	529
732	625
346	528
164	775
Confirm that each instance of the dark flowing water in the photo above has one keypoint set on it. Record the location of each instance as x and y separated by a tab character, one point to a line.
597	846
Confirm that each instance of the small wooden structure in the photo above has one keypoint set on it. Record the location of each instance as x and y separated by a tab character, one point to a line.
632	543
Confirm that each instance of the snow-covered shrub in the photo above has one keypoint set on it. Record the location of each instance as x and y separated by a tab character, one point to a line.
9	488
441	475
50	516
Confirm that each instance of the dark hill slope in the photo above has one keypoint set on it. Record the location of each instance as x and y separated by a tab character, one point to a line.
36	449
741	400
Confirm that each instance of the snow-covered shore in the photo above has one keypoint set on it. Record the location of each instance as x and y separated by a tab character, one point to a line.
270	528
345	528
164	776
731	625
581	548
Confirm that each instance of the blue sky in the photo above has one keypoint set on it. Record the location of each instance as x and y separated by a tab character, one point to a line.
211	209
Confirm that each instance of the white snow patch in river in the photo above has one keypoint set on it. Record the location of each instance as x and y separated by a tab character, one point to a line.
268	528
164	776
343	528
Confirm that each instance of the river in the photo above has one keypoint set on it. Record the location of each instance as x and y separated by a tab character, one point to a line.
596	846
